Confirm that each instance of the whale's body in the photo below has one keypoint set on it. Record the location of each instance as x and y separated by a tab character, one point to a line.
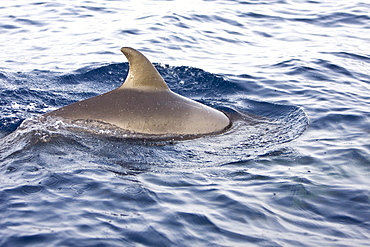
144	104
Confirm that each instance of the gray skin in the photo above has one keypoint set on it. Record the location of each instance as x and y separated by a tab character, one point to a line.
144	104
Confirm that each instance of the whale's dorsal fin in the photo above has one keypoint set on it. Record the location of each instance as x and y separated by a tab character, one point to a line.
144	104
142	74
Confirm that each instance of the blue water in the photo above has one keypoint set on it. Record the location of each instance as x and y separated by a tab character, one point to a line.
292	171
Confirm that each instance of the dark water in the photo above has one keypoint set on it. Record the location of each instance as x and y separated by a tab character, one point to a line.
292	171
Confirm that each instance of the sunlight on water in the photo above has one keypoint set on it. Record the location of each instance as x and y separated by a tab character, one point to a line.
96	31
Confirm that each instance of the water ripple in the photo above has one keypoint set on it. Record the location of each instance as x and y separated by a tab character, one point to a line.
274	182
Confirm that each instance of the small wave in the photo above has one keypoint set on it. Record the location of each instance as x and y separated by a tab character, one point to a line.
249	136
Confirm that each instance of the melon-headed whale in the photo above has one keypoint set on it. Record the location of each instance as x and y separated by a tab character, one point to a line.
144	104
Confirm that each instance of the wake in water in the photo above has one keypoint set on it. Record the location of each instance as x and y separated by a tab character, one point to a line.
257	127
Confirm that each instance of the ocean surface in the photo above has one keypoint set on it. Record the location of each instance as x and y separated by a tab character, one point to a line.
293	170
